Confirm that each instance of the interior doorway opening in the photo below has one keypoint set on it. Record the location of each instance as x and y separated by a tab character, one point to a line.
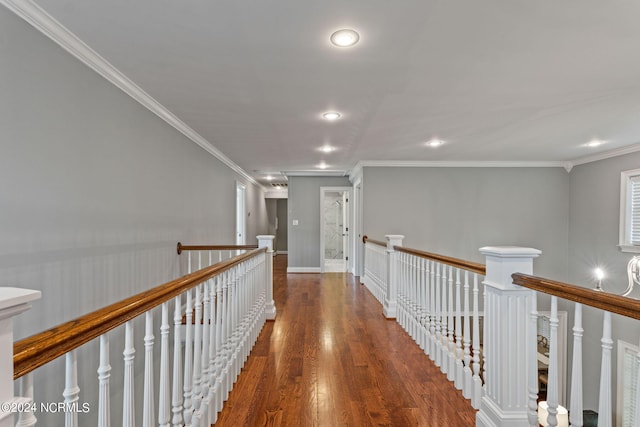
241	216
335	247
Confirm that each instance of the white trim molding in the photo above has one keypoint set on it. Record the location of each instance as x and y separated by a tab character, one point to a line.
607	154
59	34
356	171
314	172
303	269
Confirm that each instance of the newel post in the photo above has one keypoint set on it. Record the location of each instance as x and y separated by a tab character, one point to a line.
266	241
391	301
506	333
13	301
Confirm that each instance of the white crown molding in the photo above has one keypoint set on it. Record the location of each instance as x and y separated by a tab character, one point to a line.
357	169
315	173
50	27
606	155
461	163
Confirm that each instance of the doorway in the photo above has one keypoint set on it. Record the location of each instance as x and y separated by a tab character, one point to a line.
241	217
335	216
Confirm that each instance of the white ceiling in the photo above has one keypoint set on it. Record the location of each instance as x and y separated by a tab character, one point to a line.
497	80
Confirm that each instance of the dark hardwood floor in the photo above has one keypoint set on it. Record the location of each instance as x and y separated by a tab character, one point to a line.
332	359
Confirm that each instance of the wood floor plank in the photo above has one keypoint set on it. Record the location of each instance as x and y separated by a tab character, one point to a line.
332	359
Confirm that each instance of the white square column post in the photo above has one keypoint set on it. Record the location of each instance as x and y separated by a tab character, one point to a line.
506	333
266	241
13	301
390	308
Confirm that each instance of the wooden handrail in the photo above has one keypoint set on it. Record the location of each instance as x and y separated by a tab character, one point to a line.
366	239
618	304
182	247
474	267
37	350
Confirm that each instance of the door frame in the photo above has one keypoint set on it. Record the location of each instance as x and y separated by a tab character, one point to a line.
348	252
241	214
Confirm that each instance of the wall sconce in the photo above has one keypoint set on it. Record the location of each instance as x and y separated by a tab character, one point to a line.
633	273
599	276
562	416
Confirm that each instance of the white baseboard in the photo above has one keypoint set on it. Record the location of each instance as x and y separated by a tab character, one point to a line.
303	269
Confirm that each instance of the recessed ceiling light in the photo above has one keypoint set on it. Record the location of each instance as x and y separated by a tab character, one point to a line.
435	142
345	38
268	177
323	165
331	115
594	143
327	149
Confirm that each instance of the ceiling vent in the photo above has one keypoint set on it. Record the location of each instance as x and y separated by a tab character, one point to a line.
282	185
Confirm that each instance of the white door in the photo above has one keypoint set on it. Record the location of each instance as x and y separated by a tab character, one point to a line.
241	216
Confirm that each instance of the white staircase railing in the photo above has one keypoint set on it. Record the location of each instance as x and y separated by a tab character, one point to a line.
479	324
218	311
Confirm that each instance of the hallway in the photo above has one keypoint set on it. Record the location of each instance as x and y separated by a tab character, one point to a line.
331	359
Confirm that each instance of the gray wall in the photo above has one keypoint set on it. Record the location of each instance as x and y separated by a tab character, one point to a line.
304	205
593	238
95	192
455	211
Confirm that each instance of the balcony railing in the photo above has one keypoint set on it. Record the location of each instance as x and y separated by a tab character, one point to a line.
216	312
479	324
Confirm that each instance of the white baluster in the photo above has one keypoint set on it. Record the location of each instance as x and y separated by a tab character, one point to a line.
416	308
444	360
104	372
576	370
423	310
148	415
459	377
206	328
451	363
552	385
176	395
27	418
432	309
604	404
466	341
219	340
404	292
236	322
71	390
212	351
188	362
532	368
412	302
400	286
424	305
164	397
233	310
224	326
475	365
128	399
438	302
229	325
197	359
